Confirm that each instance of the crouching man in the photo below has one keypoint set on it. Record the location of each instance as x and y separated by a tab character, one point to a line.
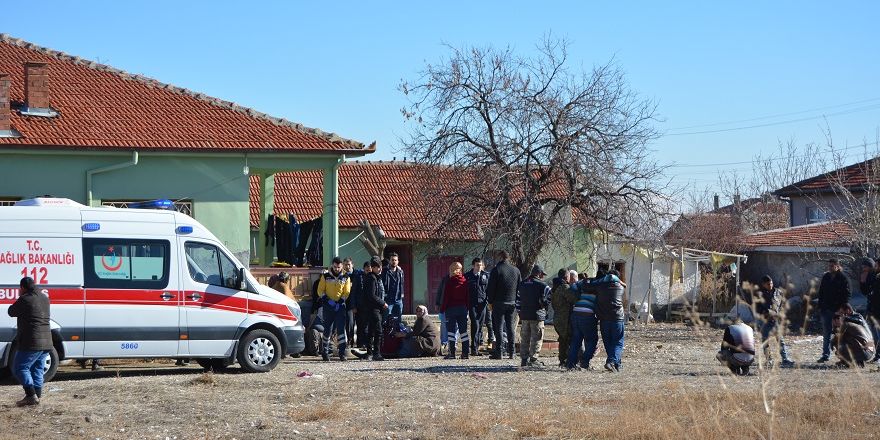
738	348
852	338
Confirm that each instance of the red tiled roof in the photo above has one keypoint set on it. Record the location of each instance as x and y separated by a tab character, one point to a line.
384	193
853	176
104	108
808	236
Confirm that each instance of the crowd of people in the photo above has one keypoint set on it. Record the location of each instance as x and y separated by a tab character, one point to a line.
361	310
852	337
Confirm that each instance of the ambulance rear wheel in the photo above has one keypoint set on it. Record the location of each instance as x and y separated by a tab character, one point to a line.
259	351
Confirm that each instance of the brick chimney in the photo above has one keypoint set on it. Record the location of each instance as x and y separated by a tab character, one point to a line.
36	85
5	112
717	202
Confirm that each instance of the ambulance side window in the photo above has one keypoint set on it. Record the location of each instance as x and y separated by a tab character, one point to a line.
125	263
210	266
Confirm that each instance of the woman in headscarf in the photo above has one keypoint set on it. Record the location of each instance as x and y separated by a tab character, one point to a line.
423	340
455	308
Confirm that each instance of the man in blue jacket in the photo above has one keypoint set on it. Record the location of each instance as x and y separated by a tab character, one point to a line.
392	279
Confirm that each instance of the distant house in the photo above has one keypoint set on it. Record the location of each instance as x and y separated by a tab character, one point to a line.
78	129
831	196
825	213
722	228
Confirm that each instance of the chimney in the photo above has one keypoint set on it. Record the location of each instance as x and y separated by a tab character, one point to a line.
717	202
736	201
36	85
5	112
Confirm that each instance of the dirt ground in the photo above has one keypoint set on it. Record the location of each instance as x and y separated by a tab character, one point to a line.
669	378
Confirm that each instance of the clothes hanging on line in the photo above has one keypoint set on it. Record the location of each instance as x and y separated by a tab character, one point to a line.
283	251
315	254
270	231
305	232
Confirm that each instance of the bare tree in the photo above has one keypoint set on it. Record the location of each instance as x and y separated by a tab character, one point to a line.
526	142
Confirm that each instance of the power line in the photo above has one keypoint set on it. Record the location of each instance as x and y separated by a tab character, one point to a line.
777	115
771	159
770	124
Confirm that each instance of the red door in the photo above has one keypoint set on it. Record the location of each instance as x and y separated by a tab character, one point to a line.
438	267
404	255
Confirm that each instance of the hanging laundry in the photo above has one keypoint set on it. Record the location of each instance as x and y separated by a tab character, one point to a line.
316	246
305	232
282	241
270	231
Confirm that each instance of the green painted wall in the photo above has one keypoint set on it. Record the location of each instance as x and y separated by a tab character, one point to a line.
215	183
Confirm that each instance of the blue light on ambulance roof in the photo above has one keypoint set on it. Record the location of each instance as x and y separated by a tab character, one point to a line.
91	227
153	204
184	229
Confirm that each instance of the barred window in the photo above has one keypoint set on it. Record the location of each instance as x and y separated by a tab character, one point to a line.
181	206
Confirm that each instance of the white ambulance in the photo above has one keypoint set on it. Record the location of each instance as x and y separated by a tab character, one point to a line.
140	283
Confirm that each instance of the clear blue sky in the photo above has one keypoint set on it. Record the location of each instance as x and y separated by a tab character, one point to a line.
336	65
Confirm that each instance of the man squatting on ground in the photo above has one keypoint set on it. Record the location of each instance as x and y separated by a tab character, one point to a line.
532	300
33	340
852	338
334	287
738	348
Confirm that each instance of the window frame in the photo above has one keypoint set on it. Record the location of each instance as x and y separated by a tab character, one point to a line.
184	206
91	280
220	252
821	215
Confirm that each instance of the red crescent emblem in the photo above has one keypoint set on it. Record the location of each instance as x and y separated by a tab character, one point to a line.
108	267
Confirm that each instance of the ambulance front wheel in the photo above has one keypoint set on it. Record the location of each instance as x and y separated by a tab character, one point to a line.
259	351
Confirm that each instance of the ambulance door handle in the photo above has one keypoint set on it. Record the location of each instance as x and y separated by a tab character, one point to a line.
167	296
195	297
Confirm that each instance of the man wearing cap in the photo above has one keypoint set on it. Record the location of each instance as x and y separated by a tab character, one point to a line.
833	293
532	300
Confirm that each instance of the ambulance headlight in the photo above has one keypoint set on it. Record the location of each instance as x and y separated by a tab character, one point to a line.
295	311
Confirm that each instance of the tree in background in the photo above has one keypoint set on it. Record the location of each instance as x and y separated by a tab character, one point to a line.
523	144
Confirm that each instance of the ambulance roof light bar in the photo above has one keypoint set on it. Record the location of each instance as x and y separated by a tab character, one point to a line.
48	202
153	204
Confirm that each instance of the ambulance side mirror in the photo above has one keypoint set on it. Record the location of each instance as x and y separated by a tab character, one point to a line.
242	281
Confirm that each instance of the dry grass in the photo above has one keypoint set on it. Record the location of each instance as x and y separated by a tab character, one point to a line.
316	413
207	378
715	415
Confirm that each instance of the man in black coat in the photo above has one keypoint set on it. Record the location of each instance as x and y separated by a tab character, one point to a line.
477	281
372	302
833	293
33	340
504	281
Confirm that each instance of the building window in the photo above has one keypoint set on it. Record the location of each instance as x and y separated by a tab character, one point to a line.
181	206
8	201
816	215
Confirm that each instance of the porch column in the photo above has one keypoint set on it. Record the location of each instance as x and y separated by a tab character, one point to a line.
267	206
331	212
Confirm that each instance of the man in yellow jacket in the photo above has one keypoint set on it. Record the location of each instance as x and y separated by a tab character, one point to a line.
334	286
